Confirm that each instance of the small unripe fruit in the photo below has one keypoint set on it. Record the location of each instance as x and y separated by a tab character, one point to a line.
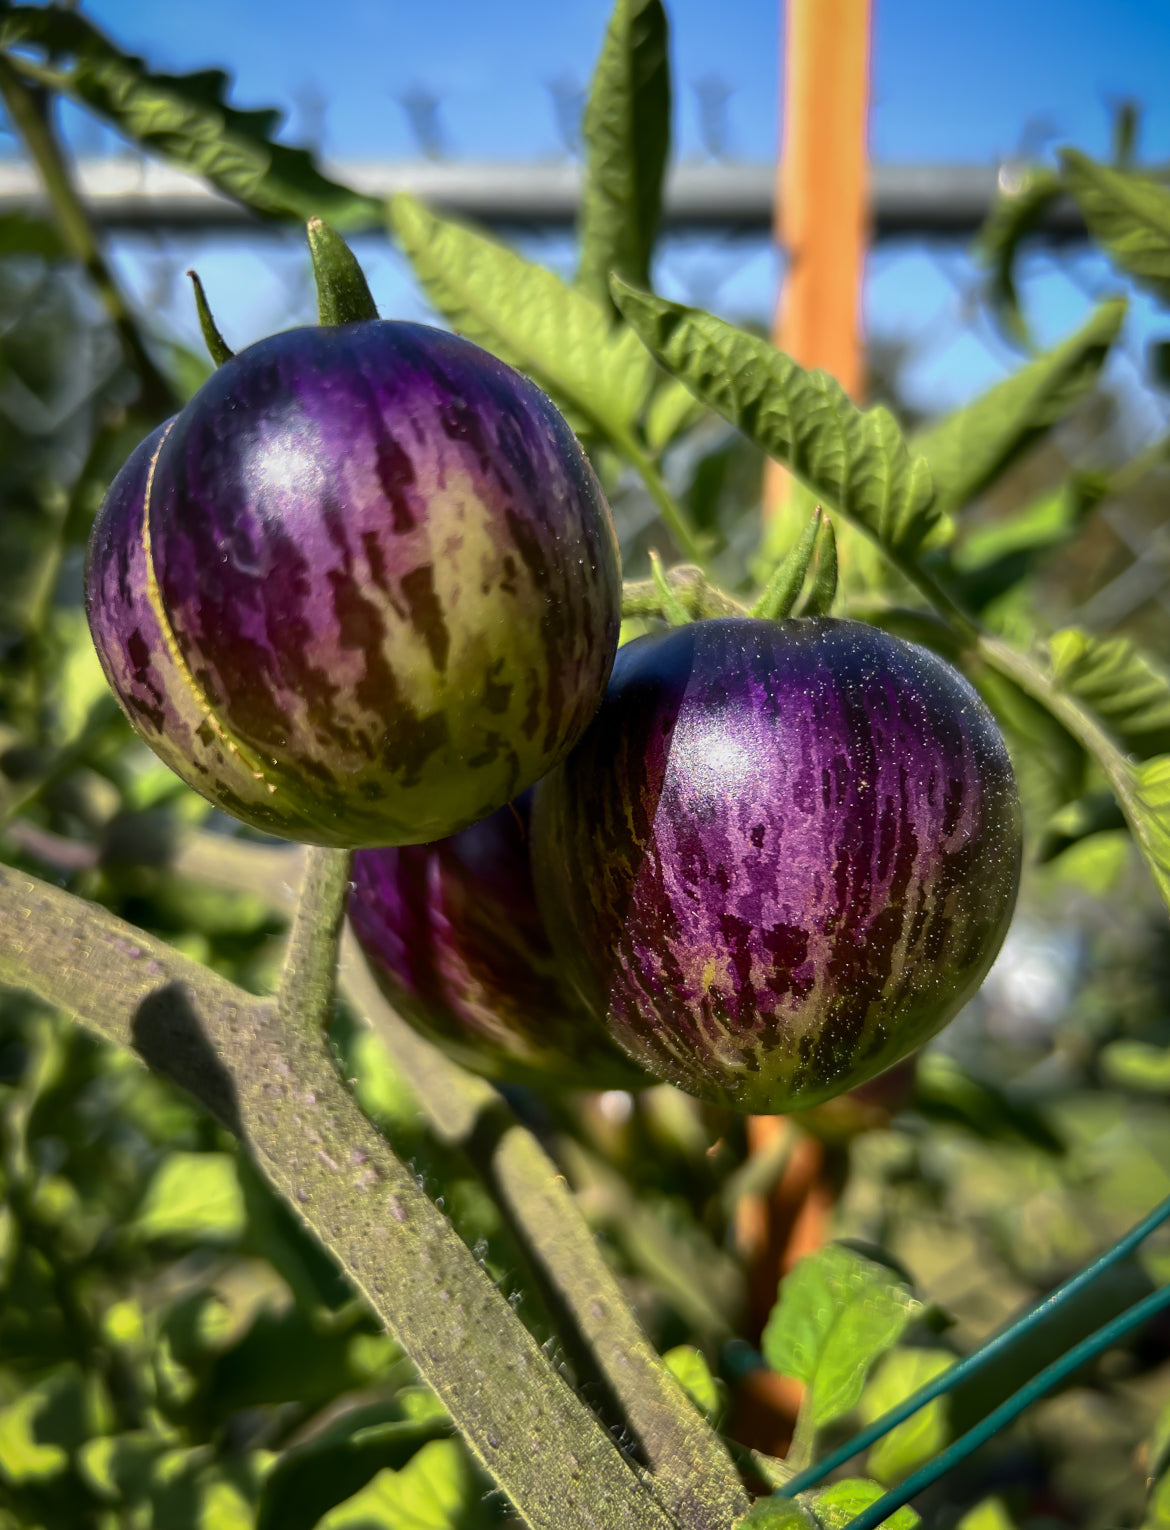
453	934
362	590
783	855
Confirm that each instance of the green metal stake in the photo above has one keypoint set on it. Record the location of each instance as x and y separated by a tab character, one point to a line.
1038	1387
942	1384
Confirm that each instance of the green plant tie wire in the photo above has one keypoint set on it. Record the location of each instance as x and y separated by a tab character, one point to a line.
1024	1325
1048	1378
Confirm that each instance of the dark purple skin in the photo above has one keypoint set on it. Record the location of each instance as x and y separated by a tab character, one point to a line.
454	937
363	590
783	855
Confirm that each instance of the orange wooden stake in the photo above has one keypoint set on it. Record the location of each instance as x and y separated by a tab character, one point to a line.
823	197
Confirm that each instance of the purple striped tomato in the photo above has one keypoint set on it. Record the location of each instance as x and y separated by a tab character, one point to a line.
362	590
455	938
782	856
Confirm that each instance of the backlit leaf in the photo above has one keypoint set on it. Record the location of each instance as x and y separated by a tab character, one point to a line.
854	461
185	118
968	450
837	1312
1126	212
627	140
529	317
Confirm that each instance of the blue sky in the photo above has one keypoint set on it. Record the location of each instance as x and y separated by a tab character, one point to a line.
957	81
951	83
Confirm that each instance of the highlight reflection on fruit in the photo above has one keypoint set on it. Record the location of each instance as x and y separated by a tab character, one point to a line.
783	855
362	589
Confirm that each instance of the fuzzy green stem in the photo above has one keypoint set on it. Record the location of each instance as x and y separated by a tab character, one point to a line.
693	1475
668	508
308	979
27	107
279	1092
695	594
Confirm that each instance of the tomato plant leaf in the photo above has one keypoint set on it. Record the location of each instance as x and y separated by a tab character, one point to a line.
837	1505
855	461
837	1312
193	1196
1013	216
672	410
528	317
436	1490
689	1368
186	118
1149	813
627	141
310	1478
971	448
1127	213
899	1374
1128	693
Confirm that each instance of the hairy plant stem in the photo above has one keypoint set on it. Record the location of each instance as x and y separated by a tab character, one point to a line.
644	465
690	587
276	1088
693	1475
308	980
27	106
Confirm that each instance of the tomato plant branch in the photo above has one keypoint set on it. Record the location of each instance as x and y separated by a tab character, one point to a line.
668	506
690	585
464	1111
280	1094
308	979
27	107
468	1113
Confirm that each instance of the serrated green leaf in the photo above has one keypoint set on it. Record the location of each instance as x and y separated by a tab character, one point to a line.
837	1312
186	119
436	1490
1149	812
970	449
855	461
1127	213
688	1367
992	558
627	141
525	314
899	1375
193	1196
1012	218
840	1503
1112	677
